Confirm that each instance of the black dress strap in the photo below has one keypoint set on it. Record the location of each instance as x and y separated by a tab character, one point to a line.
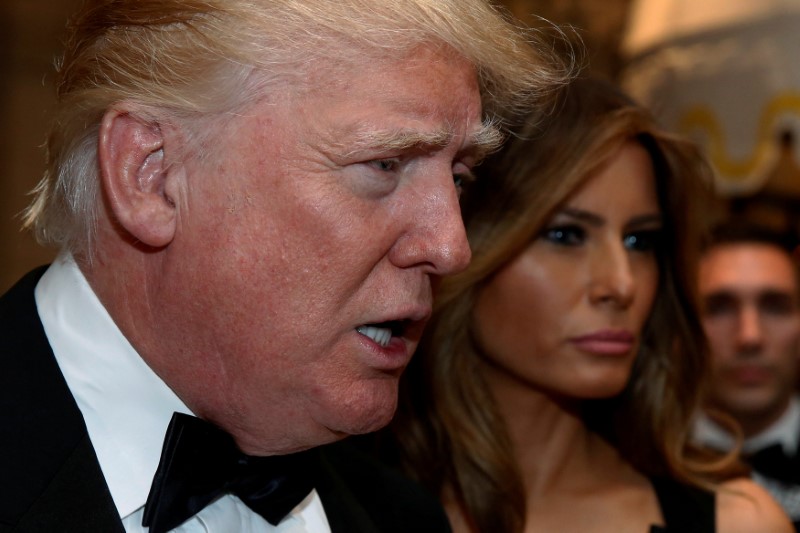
686	509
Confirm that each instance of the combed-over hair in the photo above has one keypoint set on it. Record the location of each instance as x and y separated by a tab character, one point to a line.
189	59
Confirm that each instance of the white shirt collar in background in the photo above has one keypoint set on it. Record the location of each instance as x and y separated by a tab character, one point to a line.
786	431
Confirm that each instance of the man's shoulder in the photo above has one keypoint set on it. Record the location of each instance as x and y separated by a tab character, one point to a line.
25	355
392	501
20	296
45	455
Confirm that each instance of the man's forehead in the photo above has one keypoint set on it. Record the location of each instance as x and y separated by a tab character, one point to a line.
748	268
747	259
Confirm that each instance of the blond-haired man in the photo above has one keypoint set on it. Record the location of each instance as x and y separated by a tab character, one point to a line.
253	200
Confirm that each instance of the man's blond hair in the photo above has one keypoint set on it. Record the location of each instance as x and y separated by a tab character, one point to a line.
188	59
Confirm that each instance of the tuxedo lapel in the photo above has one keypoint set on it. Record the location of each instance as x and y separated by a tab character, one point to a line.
75	501
48	459
361	495
45	452
344	512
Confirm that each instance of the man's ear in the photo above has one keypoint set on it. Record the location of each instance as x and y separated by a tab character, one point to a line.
135	175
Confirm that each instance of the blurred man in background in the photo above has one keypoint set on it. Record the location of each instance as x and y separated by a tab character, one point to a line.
750	295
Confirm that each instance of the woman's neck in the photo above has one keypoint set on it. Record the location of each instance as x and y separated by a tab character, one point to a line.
553	447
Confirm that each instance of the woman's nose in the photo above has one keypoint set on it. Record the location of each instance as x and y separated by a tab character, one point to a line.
611	277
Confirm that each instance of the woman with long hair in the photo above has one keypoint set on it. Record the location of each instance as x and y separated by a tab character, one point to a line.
554	388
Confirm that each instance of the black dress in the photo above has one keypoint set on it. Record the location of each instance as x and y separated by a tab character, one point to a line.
686	509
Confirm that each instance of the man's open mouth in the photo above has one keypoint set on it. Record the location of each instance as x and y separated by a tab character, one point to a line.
382	333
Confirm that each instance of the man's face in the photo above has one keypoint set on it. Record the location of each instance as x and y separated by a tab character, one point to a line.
751	318
307	249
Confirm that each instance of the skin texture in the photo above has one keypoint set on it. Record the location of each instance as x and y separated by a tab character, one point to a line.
591	270
751	316
249	263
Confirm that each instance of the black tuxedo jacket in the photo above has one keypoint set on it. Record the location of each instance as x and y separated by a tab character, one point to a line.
50	479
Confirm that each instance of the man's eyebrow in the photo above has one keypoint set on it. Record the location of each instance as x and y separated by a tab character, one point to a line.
776	292
482	142
399	140
720	293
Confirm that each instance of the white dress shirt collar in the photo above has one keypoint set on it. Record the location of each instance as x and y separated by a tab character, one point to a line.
785	430
127	408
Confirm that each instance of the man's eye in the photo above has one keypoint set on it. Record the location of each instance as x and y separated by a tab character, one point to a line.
718	305
462	179
778	304
458	181
386	165
643	241
564	235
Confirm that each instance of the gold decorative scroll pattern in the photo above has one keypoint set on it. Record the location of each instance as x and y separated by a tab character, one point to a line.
703	119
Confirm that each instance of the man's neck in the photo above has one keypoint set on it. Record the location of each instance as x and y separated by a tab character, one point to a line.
783	429
754	424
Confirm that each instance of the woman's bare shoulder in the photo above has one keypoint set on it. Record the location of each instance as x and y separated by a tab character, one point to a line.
745	507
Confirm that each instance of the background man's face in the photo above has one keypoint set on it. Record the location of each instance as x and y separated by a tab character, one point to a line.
752	320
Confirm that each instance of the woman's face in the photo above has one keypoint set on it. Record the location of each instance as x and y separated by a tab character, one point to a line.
566	315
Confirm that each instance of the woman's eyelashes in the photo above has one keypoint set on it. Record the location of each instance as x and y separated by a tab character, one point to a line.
565	235
645	240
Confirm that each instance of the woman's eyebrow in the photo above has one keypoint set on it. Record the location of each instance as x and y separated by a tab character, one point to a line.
581	215
646	220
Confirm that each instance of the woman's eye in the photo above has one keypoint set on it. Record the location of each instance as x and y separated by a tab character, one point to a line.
643	241
564	235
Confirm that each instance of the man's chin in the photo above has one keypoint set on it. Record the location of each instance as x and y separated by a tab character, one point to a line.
366	413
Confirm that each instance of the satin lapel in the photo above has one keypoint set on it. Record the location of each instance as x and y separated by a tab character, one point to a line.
76	501
45	453
345	513
361	495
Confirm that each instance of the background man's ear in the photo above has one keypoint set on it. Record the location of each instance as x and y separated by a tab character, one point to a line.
134	175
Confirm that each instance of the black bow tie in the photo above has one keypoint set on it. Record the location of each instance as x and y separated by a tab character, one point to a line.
200	462
772	462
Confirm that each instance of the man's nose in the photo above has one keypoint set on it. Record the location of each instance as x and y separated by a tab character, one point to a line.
436	238
749	334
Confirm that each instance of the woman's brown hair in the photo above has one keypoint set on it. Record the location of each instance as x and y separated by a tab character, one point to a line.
449	433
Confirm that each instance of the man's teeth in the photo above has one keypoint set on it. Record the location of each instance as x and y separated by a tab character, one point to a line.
381	336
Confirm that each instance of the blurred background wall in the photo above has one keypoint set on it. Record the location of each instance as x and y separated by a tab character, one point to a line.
725	73
30	33
720	71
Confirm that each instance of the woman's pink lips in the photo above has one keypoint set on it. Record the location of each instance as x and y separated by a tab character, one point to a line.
606	342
